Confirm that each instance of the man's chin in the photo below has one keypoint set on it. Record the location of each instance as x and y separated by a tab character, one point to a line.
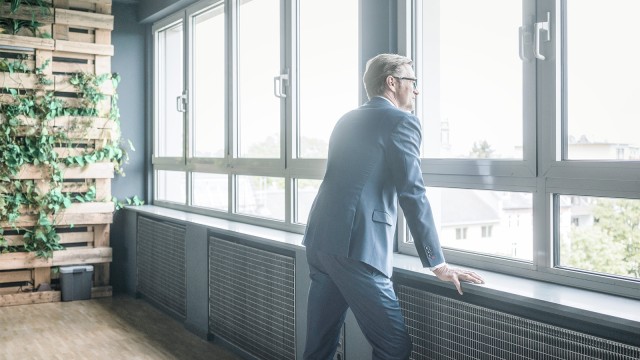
408	108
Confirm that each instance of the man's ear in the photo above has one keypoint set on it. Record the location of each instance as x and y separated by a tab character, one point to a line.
391	82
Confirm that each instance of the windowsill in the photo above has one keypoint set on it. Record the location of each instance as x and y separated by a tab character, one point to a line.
227	227
583	306
598	309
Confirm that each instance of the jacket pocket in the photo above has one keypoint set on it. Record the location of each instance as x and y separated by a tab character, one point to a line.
382	217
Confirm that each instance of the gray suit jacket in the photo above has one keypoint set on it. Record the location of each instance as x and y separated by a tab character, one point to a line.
373	164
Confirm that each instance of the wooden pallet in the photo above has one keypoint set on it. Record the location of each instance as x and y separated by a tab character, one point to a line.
21	273
80	43
40	297
43	16
84	230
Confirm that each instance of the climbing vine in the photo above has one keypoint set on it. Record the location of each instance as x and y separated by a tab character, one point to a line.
15	26
27	137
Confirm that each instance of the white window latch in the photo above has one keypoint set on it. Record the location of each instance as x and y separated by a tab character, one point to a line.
525	41
538	29
181	102
280	84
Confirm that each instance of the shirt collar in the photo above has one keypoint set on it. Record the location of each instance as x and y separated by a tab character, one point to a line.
382	97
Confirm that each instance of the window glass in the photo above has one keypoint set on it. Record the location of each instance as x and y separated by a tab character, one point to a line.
209	84
329	80
258	63
171	186
471	79
211	191
261	196
600	234
603	80
170	121
306	191
484	221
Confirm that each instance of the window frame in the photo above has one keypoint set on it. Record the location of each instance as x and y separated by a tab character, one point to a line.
161	25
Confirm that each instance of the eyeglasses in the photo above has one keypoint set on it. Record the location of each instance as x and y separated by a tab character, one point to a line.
414	80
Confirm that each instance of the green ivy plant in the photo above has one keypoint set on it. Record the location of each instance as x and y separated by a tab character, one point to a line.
13	26
132	201
45	6
34	143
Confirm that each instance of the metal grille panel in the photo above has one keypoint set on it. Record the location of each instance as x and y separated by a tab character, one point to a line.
161	263
443	328
252	299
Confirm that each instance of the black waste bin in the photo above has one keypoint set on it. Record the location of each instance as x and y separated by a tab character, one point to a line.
75	282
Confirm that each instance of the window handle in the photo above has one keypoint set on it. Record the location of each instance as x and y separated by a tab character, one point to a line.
181	102
539	27
280	84
523	39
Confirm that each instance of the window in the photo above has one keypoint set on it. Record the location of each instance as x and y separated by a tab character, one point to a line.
486	231
246	95
601	236
528	110
306	191
261	196
338	86
210	191
602	85
170	82
258	109
171	186
472	84
208	95
482	218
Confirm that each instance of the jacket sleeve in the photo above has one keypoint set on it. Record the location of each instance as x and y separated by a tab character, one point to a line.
403	156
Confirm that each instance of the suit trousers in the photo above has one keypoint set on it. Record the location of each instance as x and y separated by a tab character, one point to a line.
339	283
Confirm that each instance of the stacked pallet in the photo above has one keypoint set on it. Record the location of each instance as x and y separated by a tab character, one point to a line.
70	39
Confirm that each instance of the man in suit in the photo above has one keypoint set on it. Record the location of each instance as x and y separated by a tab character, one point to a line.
373	164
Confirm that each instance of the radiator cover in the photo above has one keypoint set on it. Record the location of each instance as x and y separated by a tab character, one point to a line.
444	328
252	298
161	264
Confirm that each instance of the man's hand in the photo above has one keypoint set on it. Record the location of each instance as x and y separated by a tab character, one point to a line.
446	273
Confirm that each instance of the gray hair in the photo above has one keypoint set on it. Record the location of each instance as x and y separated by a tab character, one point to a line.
379	68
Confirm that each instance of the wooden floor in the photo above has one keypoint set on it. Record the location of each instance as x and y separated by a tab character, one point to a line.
118	327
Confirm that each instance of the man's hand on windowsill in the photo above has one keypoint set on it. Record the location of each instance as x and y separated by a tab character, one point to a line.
455	275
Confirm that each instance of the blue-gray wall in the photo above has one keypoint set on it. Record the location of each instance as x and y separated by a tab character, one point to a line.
128	38
153	10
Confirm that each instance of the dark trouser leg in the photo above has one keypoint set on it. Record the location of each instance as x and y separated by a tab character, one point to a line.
326	310
371	297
